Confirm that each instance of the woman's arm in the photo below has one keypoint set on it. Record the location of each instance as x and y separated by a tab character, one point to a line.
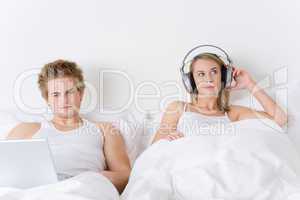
269	105
271	109
117	161
168	125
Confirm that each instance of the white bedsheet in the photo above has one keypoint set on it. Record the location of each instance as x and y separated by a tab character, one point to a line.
256	162
86	186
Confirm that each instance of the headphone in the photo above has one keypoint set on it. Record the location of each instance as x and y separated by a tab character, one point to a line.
226	70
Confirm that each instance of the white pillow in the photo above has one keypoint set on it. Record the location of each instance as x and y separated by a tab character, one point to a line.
294	113
132	133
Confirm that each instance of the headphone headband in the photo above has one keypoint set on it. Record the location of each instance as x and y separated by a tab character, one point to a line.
201	46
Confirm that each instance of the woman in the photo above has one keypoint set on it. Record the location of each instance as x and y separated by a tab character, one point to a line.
77	144
210	104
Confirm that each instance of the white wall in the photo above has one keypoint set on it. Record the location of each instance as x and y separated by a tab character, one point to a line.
145	39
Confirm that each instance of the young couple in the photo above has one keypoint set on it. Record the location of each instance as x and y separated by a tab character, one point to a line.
62	86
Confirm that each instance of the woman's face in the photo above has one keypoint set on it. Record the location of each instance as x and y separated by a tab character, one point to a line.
64	98
207	76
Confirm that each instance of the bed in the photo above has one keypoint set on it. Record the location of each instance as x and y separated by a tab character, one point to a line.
270	157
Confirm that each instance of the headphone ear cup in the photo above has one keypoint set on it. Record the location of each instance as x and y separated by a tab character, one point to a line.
188	82
193	84
224	75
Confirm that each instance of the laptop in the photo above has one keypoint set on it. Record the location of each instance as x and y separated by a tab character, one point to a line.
26	163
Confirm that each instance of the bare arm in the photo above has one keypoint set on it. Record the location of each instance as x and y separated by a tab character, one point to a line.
116	157
168	125
271	109
24	131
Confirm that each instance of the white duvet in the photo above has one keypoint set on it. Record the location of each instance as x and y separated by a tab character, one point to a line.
255	162
86	186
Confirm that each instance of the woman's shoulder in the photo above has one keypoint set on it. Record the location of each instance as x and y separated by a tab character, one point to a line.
238	108
237	112
173	111
24	130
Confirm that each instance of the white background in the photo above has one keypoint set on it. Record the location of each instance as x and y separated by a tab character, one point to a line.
145	39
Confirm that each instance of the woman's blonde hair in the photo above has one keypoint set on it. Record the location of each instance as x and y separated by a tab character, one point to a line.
223	95
60	69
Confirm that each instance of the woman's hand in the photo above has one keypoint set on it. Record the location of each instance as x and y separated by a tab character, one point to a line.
168	136
241	79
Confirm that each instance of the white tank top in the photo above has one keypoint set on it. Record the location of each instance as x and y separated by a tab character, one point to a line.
194	124
74	151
